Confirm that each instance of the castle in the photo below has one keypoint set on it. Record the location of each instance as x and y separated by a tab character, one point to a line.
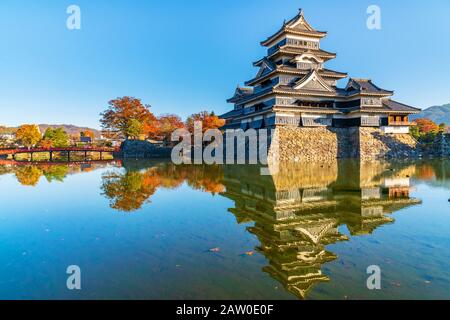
296	95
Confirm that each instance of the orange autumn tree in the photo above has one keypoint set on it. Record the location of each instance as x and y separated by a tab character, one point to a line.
129	118
87	133
46	143
208	119
426	126
167	124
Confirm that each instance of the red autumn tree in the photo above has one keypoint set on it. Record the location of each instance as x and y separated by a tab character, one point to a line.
426	126
208	119
167	124
128	117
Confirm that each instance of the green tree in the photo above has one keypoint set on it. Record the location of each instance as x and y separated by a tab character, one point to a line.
414	131
442	127
134	128
58	137
55	173
28	135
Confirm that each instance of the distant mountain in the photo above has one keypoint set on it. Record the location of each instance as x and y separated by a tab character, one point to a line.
69	128
439	114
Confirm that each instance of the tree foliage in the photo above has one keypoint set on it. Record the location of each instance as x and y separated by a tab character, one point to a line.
123	115
46	143
129	191
167	124
87	133
425	130
28	176
208	119
58	137
134	129
426	125
28	135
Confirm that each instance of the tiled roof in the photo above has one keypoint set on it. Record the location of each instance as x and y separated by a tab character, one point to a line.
387	107
232	114
240	92
364	86
325	70
322	72
287	27
251	96
298	51
289	89
397	106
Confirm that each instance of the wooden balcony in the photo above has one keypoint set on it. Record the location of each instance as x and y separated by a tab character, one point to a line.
400	123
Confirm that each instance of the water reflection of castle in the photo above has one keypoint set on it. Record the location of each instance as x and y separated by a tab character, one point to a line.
297	212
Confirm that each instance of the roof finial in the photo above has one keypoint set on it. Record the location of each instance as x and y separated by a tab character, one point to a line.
300	12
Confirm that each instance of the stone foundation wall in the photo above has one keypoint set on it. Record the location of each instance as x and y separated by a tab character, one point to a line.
300	144
142	149
374	144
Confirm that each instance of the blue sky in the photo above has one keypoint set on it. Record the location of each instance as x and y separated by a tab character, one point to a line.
186	56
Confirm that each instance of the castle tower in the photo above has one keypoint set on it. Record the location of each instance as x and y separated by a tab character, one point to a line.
294	88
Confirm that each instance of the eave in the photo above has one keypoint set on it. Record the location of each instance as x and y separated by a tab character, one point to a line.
294	51
324	73
307	93
299	109
325	55
378	110
287	30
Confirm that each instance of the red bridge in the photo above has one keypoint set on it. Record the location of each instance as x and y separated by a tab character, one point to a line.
67	151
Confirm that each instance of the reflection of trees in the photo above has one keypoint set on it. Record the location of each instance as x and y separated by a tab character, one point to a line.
55	173
202	177
435	172
296	216
131	189
28	175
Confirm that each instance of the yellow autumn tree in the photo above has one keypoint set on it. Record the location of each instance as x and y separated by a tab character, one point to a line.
28	135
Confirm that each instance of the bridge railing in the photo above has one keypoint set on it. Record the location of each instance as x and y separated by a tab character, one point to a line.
71	149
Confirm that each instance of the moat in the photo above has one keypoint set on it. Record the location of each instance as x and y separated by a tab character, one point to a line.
153	230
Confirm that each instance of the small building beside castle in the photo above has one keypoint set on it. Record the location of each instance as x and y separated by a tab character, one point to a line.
294	88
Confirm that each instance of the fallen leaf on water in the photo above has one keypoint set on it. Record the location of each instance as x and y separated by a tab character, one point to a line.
249	253
214	250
